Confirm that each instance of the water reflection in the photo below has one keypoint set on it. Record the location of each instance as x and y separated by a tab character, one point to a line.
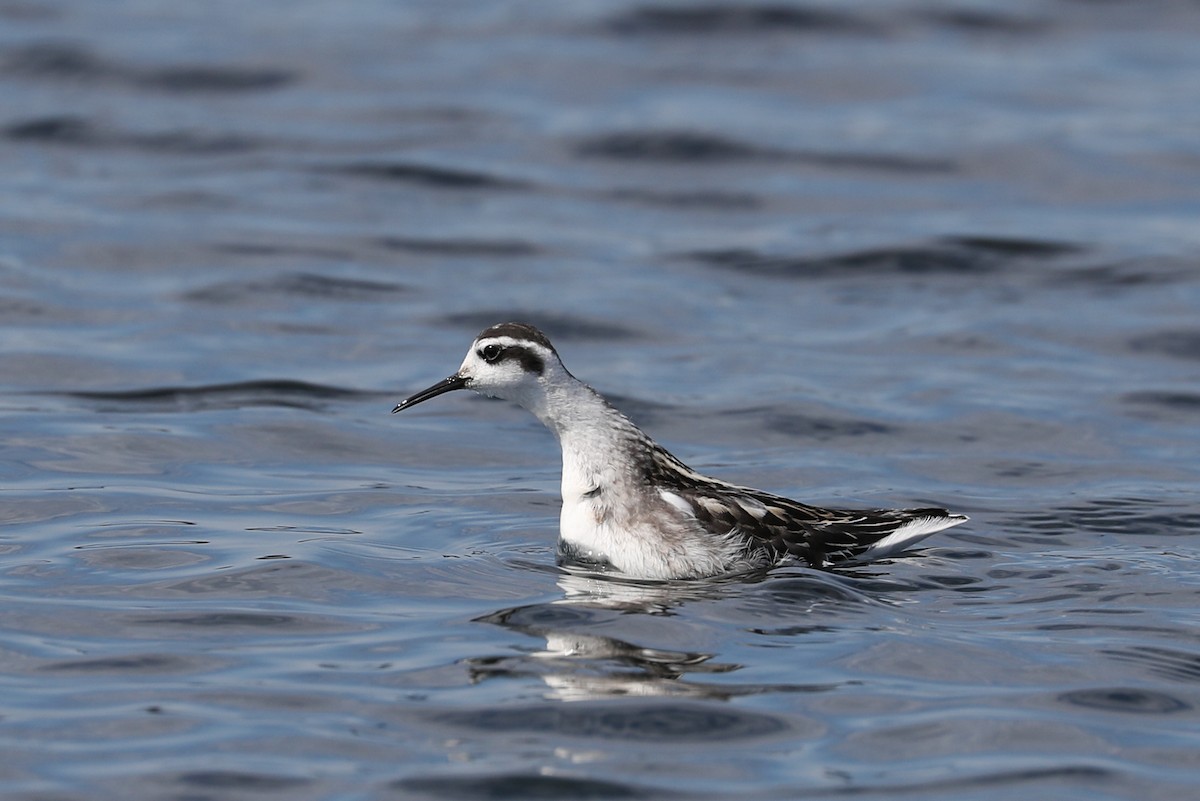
581	660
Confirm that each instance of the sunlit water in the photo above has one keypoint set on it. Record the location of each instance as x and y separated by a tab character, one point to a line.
887	253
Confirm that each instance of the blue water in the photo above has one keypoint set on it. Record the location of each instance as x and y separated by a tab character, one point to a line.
877	253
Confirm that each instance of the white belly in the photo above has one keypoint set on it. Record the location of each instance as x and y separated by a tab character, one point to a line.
636	531
596	534
652	547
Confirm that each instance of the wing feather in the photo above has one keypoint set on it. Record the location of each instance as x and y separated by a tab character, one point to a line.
783	527
818	536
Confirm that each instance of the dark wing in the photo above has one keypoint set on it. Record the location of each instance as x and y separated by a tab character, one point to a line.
818	536
785	527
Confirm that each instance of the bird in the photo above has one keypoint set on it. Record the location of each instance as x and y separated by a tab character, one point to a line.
630	506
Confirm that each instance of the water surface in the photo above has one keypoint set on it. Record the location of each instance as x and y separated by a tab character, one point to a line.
881	253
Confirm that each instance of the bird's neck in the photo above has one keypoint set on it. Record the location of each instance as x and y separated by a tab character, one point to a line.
595	438
574	411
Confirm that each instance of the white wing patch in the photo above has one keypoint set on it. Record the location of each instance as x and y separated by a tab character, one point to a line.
909	534
678	502
753	506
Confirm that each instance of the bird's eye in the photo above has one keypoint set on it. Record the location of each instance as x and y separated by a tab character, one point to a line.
490	353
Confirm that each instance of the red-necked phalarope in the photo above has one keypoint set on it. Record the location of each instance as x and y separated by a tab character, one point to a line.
629	503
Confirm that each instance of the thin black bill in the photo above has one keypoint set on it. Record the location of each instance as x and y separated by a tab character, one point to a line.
450	384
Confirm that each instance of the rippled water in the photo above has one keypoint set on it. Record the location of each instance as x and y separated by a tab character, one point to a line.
876	253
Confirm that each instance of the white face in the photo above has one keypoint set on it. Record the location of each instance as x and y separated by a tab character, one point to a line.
504	367
513	361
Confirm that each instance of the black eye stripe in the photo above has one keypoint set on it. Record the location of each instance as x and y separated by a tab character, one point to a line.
530	362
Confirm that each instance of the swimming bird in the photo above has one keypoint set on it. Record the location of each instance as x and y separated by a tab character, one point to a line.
629	505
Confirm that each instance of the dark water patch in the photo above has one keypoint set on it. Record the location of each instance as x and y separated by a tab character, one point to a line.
277	250
232	781
224	620
1126	516
965	555
1122	632
1030	469
426	175
244	394
148	528
649	721
699	199
62	129
80	132
57	60
1043	574
670	146
1041	522
957	583
1166	403
794	630
304	285
730	19
1066	774
950	256
1180	344
903	260
217	625
1125	699
820	428
727	19
1166	662
185	142
982	21
1014	246
273	579
142	557
522	786
556	326
538	618
15	310
485	248
66	61
694	147
1121	275
876	162
213	79
152	664
789	593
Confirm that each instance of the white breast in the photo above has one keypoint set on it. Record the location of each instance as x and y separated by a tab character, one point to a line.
608	514
656	541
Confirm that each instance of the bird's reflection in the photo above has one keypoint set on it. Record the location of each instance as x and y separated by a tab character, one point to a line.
579	662
585	586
